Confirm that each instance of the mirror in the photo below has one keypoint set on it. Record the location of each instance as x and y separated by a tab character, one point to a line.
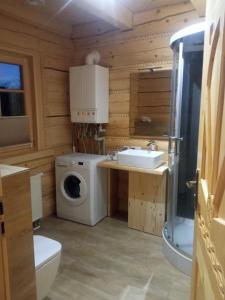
150	104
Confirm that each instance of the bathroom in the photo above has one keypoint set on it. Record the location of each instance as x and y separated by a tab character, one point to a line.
140	242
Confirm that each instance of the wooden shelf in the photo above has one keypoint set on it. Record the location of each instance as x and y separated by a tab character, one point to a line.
150	137
109	164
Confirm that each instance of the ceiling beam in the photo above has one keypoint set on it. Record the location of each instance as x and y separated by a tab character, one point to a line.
200	6
111	11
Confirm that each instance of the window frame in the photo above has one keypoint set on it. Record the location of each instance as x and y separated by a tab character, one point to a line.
26	61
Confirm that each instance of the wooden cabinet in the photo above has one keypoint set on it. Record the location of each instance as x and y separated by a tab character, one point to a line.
118	193
146	195
146	204
17	269
3	274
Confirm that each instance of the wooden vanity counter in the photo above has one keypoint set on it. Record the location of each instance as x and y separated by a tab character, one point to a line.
112	164
146	195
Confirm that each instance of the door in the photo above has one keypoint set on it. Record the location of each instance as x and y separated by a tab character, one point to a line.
209	253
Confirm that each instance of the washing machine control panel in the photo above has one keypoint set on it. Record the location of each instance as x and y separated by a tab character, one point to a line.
79	163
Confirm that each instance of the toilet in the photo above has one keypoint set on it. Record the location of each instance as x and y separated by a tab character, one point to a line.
47	252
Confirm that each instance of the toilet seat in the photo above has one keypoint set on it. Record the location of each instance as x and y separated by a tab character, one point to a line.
45	249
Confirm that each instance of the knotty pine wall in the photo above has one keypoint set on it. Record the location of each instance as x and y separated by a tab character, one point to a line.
53	55
126	52
146	45
123	52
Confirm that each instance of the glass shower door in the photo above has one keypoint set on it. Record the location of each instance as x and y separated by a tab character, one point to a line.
183	142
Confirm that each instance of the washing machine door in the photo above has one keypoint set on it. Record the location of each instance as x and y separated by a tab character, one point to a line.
73	188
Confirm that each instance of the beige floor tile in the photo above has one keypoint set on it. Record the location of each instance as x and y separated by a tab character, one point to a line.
111	261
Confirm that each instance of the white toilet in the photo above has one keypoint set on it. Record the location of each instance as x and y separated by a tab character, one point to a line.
47	252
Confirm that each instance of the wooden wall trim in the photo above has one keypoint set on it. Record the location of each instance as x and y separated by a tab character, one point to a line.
27	157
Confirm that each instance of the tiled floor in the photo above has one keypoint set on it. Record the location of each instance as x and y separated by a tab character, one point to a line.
111	261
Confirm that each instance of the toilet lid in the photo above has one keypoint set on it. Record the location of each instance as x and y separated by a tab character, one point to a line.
44	250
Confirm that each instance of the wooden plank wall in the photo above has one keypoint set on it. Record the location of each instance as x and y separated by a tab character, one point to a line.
124	52
54	53
146	45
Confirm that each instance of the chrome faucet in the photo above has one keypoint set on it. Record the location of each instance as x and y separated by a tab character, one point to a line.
152	146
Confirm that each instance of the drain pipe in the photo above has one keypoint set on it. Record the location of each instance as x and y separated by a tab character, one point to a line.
93	58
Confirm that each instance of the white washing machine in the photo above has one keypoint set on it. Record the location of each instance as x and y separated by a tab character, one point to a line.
81	188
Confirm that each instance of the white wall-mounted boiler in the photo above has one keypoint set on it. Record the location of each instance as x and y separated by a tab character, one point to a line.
89	94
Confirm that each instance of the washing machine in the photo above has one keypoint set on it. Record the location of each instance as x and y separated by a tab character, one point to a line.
81	188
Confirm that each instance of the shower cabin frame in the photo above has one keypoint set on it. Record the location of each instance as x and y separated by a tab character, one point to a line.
175	138
175	254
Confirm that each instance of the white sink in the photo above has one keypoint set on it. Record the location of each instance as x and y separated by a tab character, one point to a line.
140	158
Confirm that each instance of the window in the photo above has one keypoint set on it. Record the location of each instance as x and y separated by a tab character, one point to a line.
16	128
10	76
11	90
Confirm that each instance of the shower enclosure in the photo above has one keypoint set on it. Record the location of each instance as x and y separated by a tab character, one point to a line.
187	46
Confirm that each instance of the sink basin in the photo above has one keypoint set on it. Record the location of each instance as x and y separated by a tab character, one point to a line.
140	158
6	170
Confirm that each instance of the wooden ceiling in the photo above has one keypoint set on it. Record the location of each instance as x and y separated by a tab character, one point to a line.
56	15
65	10
60	15
141	5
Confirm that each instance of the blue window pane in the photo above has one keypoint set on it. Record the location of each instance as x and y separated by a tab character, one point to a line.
10	76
